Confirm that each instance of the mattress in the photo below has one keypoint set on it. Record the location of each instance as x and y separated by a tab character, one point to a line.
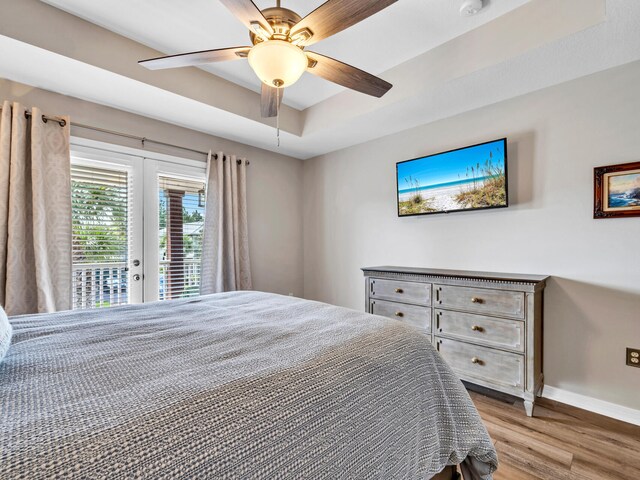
242	385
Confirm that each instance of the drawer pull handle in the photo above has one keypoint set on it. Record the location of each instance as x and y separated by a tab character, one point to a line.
476	300
399	290
399	314
477	361
477	328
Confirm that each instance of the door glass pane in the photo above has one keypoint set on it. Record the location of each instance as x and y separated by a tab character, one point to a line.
100	246
181	223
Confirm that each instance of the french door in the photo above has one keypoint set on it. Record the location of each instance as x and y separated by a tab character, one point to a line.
137	228
174	204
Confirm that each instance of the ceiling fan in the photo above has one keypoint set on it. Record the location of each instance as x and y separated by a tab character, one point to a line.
278	56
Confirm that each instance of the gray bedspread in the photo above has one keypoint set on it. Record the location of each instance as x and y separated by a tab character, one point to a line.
243	385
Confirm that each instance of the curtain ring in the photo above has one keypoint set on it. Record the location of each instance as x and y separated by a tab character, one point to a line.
239	162
62	122
143	140
44	119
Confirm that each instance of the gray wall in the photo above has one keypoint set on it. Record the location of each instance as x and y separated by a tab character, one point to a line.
274	187
556	137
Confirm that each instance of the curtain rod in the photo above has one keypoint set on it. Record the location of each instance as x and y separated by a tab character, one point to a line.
62	122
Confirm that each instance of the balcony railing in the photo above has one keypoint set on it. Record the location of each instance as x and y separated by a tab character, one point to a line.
97	285
179	282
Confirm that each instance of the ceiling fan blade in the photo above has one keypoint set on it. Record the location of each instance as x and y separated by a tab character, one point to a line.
334	16
270	101
196	58
250	15
346	75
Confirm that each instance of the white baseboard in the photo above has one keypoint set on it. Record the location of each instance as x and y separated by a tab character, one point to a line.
608	409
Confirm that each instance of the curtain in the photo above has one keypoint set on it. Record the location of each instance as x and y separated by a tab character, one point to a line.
35	212
225	250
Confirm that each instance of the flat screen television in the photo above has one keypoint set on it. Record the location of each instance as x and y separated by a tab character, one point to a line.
469	178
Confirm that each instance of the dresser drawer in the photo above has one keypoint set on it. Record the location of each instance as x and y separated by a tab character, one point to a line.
401	291
498	332
473	362
481	300
413	314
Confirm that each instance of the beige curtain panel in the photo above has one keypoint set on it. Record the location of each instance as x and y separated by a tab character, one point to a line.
225	251
35	213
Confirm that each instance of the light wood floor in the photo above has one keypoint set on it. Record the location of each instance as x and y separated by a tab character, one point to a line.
559	442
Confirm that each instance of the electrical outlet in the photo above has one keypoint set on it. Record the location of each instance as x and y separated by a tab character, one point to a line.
633	357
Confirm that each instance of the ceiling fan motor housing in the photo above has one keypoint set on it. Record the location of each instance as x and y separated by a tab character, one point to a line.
281	21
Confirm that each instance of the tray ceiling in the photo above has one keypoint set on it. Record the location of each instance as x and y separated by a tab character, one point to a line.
441	65
393	36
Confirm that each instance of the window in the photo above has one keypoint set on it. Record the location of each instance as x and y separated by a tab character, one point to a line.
100	243
181	224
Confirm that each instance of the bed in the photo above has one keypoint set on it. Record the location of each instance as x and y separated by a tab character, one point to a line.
243	385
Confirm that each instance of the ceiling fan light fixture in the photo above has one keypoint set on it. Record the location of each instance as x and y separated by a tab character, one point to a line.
277	63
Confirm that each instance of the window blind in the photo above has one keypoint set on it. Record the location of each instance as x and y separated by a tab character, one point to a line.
101	236
181	225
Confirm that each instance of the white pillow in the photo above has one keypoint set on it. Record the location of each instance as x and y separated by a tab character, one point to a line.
5	334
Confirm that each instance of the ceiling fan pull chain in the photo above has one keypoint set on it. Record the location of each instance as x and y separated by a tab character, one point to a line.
278	115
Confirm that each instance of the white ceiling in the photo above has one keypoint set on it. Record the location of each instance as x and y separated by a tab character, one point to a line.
539	44
400	32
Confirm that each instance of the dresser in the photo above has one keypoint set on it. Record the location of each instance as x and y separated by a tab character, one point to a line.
486	326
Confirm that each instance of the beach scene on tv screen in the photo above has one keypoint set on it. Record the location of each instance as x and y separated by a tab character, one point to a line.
468	178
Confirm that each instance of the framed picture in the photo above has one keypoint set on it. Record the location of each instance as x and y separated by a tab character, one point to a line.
616	191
